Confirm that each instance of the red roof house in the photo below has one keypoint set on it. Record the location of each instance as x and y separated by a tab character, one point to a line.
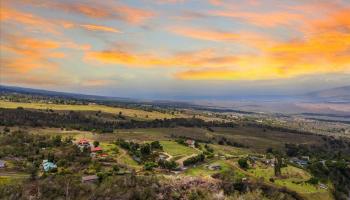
83	142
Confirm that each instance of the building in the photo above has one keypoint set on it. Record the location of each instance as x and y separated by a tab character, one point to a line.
84	143
307	158
96	149
2	164
137	159
323	186
190	143
48	166
301	163
89	179
214	167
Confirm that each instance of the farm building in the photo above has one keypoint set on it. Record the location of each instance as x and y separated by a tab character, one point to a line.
48	166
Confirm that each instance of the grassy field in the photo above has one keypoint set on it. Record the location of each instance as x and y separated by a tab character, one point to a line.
229	151
9	177
254	138
292	178
259	139
134	113
203	171
177	150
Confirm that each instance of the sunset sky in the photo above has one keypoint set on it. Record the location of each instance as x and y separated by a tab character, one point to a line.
173	49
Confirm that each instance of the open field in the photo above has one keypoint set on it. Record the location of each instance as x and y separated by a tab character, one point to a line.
255	138
134	113
229	151
9	176
260	139
177	150
292	178
203	171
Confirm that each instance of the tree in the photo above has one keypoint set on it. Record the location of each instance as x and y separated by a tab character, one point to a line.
96	143
145	149
33	172
57	140
156	145
6	130
278	165
150	165
50	157
243	163
170	165
194	160
313	181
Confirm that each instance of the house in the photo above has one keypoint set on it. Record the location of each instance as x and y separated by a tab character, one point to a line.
103	156
214	167
137	159
89	179
84	143
96	149
307	158
323	186
161	157
2	164
190	143
301	163
48	166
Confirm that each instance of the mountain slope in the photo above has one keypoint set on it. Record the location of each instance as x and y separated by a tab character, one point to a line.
340	94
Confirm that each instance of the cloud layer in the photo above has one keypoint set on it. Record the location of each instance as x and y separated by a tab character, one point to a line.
84	42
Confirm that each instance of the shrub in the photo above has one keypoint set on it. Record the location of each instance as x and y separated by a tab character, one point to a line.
150	165
243	163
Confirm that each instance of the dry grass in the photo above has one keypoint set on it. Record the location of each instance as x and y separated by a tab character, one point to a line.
135	113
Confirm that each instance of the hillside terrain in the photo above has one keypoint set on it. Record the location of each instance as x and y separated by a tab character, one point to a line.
98	150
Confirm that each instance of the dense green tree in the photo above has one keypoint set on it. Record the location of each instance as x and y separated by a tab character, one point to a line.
243	163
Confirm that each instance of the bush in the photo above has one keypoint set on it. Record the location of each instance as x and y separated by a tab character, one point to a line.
313	180
156	145
243	163
170	165
194	160
96	143
150	165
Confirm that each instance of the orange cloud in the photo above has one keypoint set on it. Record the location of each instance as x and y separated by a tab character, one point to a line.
97	10
212	74
41	79
320	54
184	59
261	19
33	22
325	48
23	54
92	27
248	38
95	83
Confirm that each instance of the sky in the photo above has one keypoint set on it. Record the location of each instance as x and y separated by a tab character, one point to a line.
176	49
